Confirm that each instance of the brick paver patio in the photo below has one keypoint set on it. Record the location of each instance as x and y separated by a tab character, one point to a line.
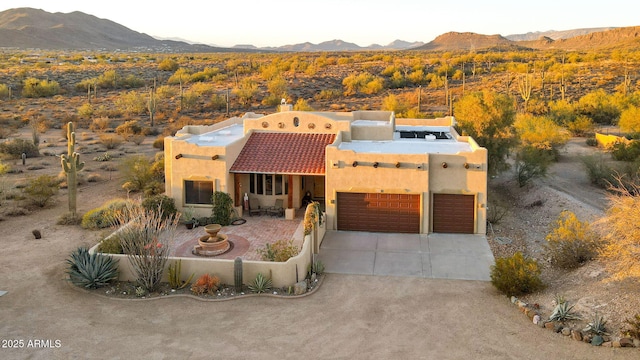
246	238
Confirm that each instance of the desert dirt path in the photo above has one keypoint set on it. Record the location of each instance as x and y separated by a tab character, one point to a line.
349	317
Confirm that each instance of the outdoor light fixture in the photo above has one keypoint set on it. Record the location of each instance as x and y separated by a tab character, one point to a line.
214	157
444	165
355	163
375	164
466	165
178	156
397	165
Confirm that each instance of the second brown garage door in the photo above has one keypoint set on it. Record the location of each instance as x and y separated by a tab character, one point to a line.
453	213
379	212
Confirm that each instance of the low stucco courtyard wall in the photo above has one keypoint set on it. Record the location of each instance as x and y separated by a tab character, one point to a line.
282	274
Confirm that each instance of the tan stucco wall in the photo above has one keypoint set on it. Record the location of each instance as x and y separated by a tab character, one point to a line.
283	274
309	122
196	164
418	174
421	174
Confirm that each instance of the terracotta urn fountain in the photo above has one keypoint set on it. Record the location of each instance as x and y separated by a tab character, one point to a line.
213	243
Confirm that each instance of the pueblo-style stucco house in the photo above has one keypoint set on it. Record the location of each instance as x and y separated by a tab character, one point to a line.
371	171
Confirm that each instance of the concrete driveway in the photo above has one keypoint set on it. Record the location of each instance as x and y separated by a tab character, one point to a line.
436	256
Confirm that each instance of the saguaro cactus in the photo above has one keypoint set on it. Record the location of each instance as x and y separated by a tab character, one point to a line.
71	164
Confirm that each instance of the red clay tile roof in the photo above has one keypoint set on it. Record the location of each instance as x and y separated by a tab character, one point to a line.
283	153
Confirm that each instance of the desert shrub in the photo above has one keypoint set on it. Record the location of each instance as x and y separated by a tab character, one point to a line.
16	147
633	327
129	128
206	284
218	102
598	171
34	88
91	270
516	275
145	240
621	250
4	91
4	168
626	152
98	218
163	204
140	174
105	215
532	162
131	103
328	94
580	126
137	139
42	189
16	211
592	141
110	141
168	64
69	219
111	245
100	124
222	208
85	110
94	178
495	213
279	251
158	143
571	243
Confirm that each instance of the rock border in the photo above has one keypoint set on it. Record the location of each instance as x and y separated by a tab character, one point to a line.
310	291
535	316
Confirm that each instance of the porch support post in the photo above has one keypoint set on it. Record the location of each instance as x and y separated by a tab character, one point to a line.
237	190
290	195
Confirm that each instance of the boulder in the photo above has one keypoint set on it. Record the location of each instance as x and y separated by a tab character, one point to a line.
536	319
300	287
565	331
626	342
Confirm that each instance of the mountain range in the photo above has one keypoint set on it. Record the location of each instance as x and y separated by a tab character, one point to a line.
28	28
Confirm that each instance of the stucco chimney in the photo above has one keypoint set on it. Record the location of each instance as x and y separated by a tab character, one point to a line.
286	107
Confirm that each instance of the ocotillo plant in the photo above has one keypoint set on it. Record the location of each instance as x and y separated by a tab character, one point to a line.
71	164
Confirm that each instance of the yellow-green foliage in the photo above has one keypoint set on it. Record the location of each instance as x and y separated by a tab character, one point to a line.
540	132
42	189
571	243
105	215
279	251
516	275
621	251
630	120
34	88
110	245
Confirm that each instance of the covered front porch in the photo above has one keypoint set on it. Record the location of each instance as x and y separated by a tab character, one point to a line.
280	168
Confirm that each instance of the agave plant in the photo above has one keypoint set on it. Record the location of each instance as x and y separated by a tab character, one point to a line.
597	326
562	312
91	270
260	284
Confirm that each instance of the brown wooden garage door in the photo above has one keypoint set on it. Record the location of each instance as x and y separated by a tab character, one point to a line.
379	212
453	213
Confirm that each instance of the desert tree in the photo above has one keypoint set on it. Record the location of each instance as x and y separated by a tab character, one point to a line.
630	120
488	117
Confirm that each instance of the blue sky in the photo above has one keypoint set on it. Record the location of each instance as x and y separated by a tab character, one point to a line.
282	22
